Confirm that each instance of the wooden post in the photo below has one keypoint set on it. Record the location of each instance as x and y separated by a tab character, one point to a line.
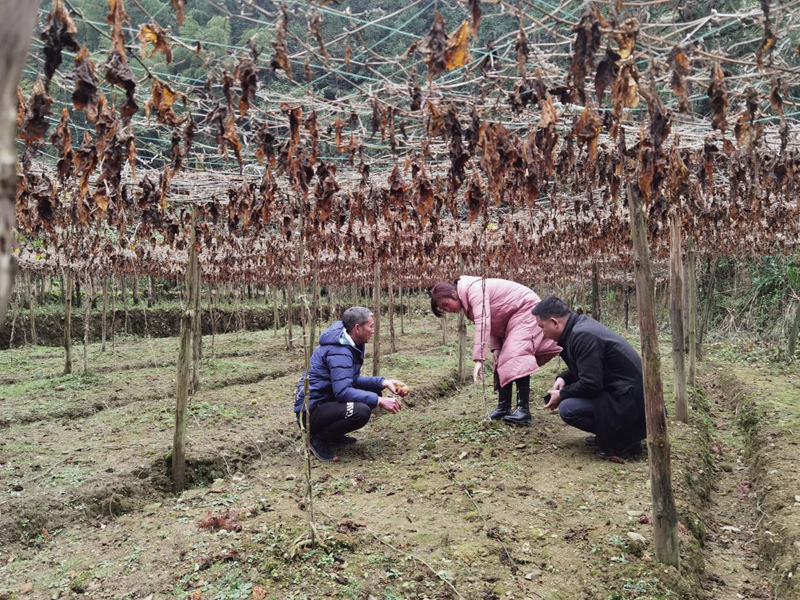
402	310
67	292
392	340
462	337
197	318
627	305
86	318
376	309
104	321
665	516
151	296
313	321
691	282
707	309
409	306
290	316
676	318
183	379
31	297
124	292
595	293
276	317
211	318
135	289
444	329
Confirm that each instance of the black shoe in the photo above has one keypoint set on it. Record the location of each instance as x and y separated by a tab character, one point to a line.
520	416
322	450
591	440
343	440
503	409
626	452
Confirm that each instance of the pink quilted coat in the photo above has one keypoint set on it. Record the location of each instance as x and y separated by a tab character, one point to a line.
503	321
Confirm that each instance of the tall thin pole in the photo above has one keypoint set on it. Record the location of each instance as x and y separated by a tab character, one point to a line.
67	291
691	282
665	516
676	318
376	338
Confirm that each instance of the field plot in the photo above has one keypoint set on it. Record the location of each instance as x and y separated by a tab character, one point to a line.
435	502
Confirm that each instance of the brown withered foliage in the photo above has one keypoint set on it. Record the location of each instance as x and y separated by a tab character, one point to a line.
248	80
681	69
86	160
223	125
119	73
718	98
59	33
180	10
457	53
84	97
587	129
160	103
315	26
325	191
625	36
227	521
606	75
436	43
62	142
474	196
585	46
154	34
475	14
37	109
265	145
522	49
280	59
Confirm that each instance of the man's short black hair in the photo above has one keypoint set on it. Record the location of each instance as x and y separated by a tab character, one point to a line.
355	315
551	307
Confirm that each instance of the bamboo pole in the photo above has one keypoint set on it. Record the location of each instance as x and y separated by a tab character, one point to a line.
67	291
392	337
707	309
376	338
676	318
691	282
31	297
86	318
595	293
665	516
183	378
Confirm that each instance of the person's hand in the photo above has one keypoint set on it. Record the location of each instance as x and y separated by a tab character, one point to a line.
391	404
477	372
555	398
559	384
395	386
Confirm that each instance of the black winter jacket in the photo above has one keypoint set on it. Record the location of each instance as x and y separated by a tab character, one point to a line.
602	366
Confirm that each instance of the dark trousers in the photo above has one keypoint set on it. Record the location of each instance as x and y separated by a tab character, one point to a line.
332	420
579	413
523	391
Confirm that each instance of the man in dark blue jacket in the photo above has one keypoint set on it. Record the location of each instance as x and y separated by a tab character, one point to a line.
340	400
602	390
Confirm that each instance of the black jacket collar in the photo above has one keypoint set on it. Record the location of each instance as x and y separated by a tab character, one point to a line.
571	321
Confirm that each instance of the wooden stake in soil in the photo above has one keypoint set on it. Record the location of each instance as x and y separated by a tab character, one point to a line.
31	298
86	319
691	282
665	516
707	310
392	341
67	291
197	320
676	318
276	317
376	309
124	291
211	317
104	321
290	317
595	293
627	305
184	353
444	329
402	310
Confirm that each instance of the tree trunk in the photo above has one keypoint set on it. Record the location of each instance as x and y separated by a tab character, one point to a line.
392	337
67	291
707	310
376	309
676	318
31	297
86	319
595	293
665	516
183	376
16	30
691	282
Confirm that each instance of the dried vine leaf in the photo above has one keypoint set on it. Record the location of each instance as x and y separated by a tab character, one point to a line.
115	18
248	79
424	190
59	33
718	98
265	146
607	72
522	49
154	34
775	98
161	101
84	97
474	196
62	142
436	42
348	53
189	130
180	10
397	192
86	159
313	132
280	60
457	53
625	90
223	124
415	92
747	134
585	46
37	109
681	70
475	14
119	73
625	36
587	129
315	26
325	191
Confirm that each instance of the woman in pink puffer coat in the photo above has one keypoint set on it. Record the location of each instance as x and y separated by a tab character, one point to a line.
501	311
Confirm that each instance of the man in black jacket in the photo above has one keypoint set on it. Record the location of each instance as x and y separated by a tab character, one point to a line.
602	390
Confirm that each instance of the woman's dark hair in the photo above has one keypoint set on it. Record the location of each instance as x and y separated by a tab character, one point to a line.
439	292
551	307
